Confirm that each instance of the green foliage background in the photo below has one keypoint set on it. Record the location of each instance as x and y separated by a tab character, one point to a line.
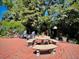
24	9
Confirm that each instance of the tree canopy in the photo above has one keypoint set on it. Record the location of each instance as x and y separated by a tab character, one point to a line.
62	11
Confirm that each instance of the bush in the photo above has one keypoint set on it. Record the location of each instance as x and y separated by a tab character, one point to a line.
6	25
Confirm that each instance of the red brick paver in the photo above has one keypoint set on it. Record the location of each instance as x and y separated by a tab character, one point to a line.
16	48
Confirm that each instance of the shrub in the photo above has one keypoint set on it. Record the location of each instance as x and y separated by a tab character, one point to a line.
6	25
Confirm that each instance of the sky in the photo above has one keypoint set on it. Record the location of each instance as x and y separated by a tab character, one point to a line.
3	10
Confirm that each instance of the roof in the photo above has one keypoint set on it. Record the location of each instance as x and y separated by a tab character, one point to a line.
16	48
